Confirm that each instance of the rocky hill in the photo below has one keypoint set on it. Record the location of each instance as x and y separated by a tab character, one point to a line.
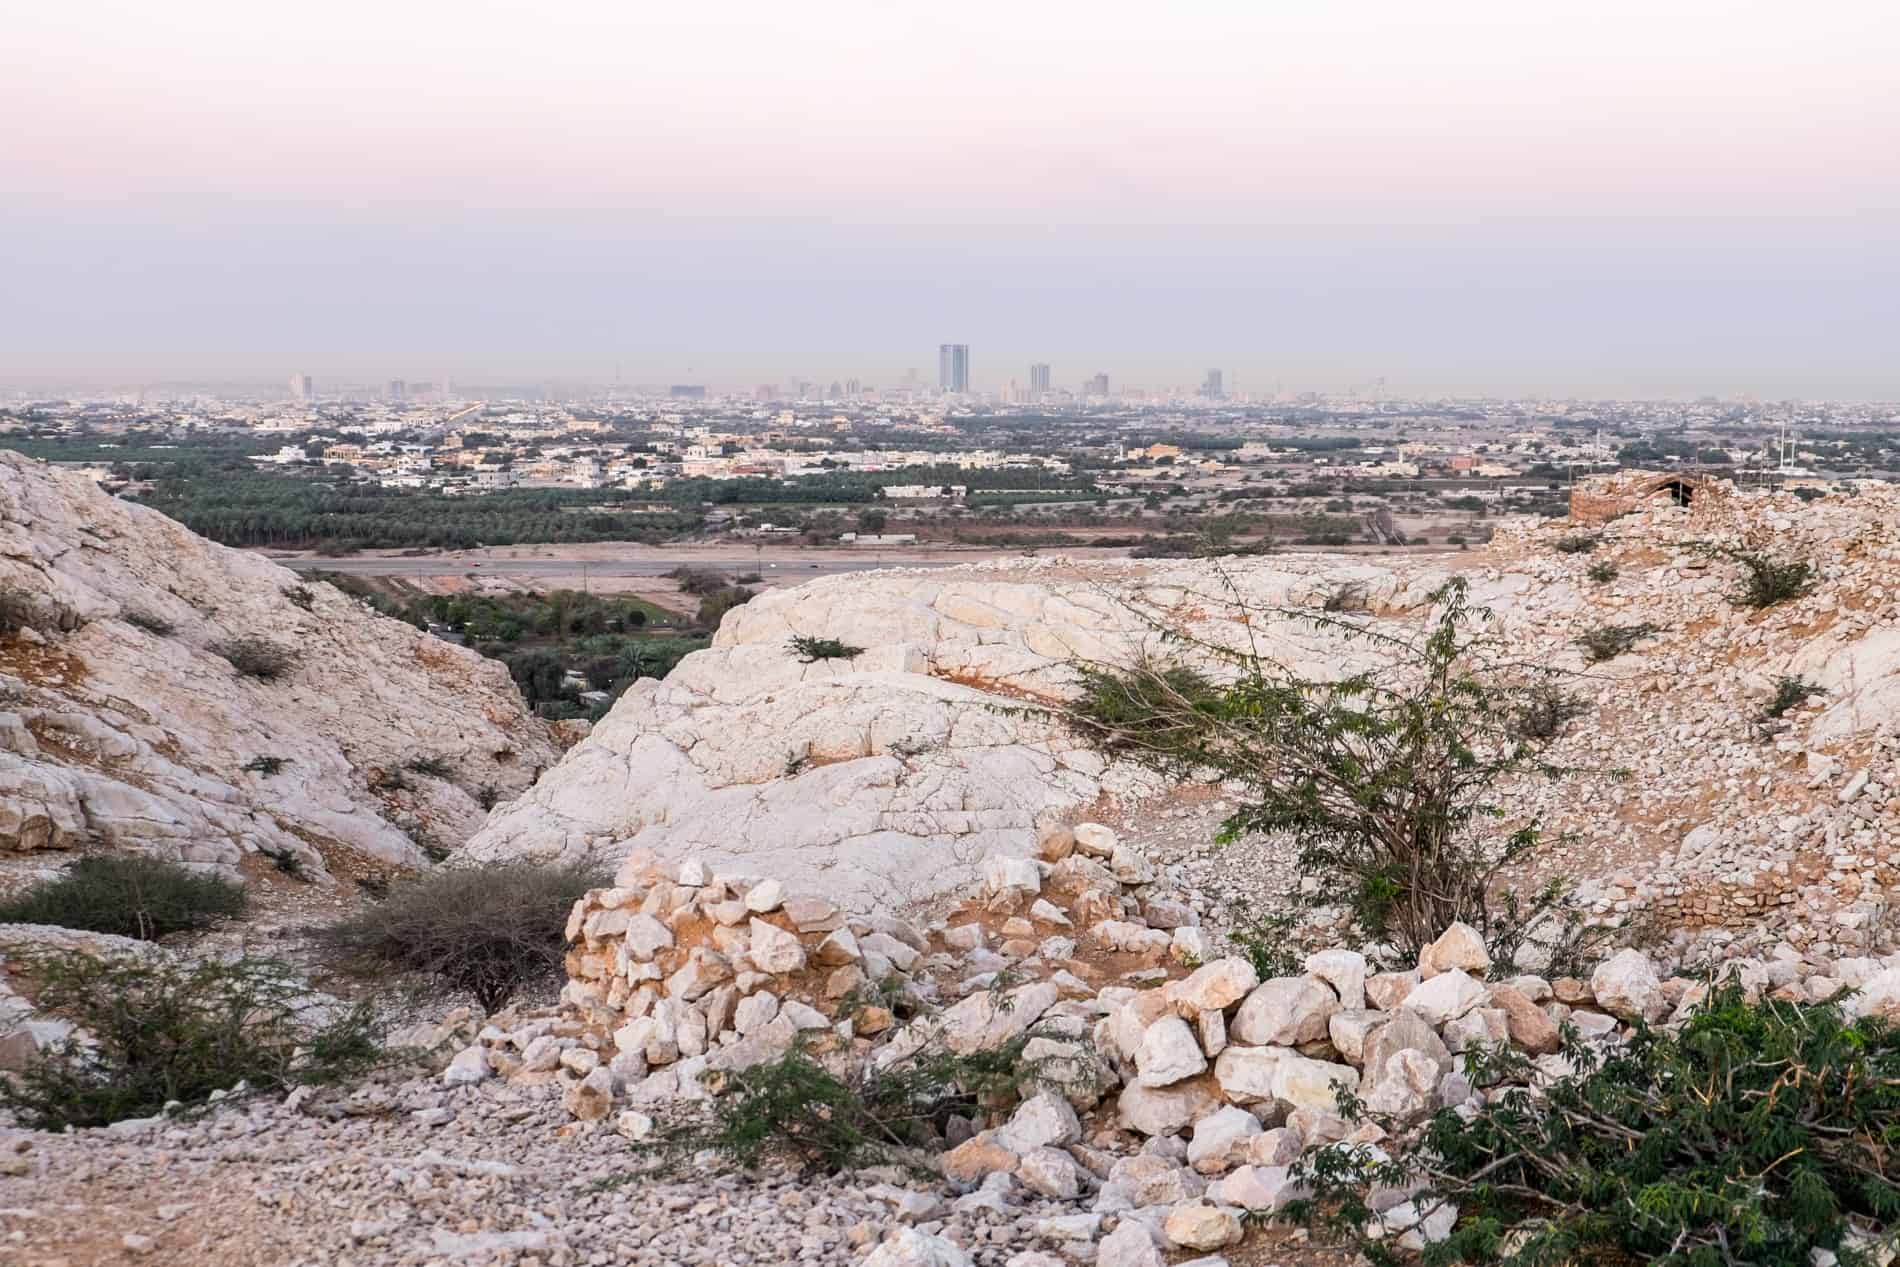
123	726
891	774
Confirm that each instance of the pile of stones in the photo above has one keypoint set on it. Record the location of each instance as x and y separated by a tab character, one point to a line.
1178	1090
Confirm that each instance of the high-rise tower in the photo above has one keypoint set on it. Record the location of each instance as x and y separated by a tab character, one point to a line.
953	368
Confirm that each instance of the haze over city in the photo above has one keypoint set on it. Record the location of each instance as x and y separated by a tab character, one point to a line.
1469	197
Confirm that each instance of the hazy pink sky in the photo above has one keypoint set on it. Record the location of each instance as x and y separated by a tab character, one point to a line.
1464	196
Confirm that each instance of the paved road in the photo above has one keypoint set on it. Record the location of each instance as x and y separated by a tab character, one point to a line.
616	567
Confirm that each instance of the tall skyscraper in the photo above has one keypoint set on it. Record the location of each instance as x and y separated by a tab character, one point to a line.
1212	387
1038	379
398	390
953	368
1097	386
301	387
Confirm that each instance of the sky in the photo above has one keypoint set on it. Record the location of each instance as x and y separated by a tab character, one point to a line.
1499	197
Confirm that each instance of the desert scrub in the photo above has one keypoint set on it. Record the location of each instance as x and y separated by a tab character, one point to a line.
166	1030
795	1109
1385	780
1579	543
1149	707
1606	642
1602	571
430	767
810	650
301	596
1767	582
1546	710
128	896
490	929
1753	1136
265	765
256	657
1790	692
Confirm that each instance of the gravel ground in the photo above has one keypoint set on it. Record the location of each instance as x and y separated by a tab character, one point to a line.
408	1173
1255	872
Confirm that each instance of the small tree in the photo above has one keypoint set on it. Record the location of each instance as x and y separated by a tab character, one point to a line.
1384	780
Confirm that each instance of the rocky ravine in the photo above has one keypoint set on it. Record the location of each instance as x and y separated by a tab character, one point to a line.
114	735
893	774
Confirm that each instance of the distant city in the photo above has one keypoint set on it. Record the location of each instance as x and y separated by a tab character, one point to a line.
940	443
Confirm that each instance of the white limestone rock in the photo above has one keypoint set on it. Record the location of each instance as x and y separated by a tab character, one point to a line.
151	732
1285	1011
1168	1053
1627	986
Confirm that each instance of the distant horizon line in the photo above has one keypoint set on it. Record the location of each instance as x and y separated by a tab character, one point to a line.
554	386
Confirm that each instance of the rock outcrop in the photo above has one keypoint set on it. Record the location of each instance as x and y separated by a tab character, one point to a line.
121	725
895	773
891	775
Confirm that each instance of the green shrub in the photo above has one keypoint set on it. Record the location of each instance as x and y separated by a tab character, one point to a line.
1385	781
795	1109
1753	1136
1147	708
265	766
167	1030
1580	543
1602	571
129	896
1266	941
1606	642
149	622
811	649
489	929
1770	581
1790	692
300	596
257	657
714	606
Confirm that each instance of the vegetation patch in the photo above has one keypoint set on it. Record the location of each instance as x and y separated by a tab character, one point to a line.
1150	708
265	765
430	766
811	650
163	1031
129	896
1754	1136
1602	571
1578	543
287	863
1384	780
1767	582
490	929
1546	710
1790	692
257	657
795	1109
1606	642
301	596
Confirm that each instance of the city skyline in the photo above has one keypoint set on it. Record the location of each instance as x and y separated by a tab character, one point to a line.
1472	198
